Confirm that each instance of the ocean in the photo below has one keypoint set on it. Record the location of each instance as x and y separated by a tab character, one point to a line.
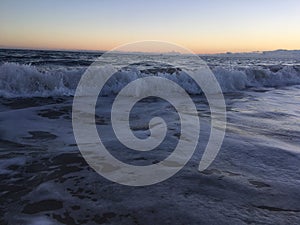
254	179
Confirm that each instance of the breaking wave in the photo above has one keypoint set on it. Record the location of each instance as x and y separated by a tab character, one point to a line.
20	80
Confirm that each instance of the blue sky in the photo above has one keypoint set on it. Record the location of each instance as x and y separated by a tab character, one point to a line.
203	26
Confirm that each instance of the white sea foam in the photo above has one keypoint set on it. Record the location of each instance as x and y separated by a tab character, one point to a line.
19	80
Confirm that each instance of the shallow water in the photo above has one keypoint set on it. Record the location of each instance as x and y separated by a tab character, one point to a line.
254	179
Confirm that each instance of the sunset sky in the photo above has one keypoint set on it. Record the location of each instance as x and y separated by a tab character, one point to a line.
208	26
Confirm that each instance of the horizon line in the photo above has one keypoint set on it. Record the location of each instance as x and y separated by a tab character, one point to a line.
103	51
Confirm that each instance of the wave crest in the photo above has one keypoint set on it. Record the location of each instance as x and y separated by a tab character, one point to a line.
20	80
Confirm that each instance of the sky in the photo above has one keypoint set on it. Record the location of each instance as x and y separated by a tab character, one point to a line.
204	26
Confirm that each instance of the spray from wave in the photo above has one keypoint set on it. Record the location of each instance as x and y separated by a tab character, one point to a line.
21	80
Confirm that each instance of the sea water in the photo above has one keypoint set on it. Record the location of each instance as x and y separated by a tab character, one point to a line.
254	179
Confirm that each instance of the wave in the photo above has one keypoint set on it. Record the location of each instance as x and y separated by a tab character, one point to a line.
19	80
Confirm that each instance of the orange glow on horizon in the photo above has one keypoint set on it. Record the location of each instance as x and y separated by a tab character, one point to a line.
207	48
199	44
